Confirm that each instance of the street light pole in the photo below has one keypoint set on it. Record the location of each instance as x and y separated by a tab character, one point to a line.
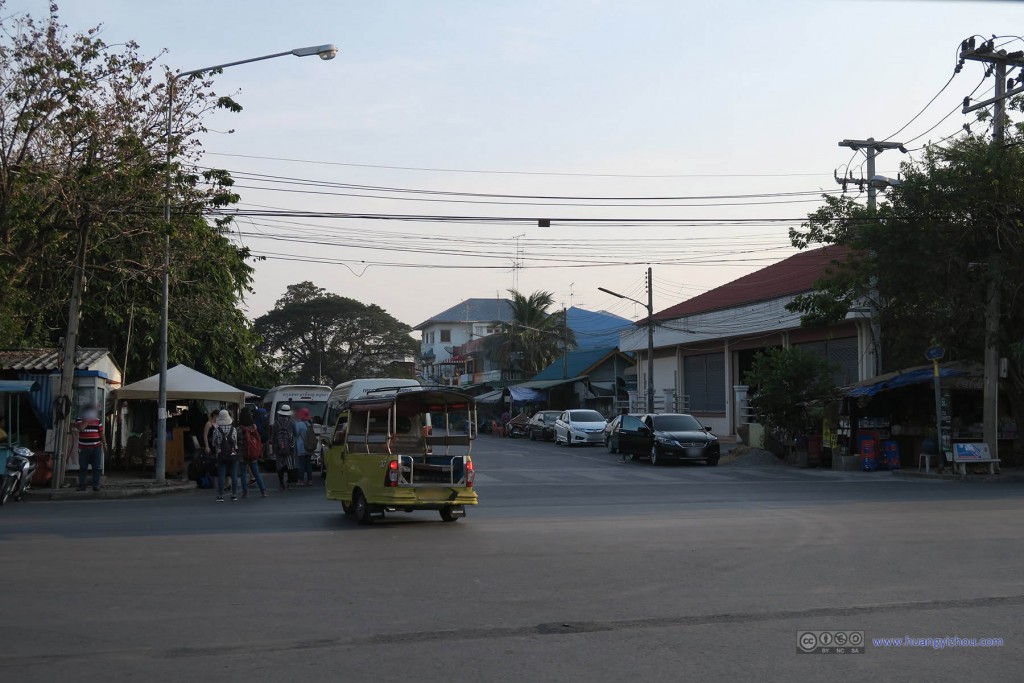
325	52
650	334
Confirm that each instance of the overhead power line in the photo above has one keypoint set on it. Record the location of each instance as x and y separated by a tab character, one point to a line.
528	173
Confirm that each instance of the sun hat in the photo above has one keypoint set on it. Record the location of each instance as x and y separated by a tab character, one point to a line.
284	409
224	419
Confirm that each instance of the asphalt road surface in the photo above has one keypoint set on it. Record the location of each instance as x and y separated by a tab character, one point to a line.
573	568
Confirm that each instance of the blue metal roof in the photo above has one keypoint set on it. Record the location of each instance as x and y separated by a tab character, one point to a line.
579	362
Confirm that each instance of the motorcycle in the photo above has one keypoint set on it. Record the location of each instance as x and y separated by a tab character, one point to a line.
18	473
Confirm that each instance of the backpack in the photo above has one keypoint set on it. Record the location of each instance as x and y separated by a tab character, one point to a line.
226	452
283	440
309	439
252	444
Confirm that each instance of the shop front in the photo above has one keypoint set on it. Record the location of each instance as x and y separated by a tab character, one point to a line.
888	421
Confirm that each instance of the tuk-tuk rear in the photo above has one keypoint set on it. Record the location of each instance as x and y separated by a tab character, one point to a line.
395	449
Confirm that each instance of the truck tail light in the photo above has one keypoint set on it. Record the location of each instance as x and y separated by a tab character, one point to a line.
391	477
470	474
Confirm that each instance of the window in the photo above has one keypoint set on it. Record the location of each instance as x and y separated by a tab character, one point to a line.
842	353
446	336
704	382
631	423
431	337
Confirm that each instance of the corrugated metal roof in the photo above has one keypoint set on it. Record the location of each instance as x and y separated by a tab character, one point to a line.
46	360
473	310
578	362
793	275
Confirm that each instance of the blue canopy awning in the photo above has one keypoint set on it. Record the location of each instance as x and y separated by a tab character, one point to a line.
903	379
10	386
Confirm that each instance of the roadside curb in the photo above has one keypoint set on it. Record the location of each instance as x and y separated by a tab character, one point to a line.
1004	478
112	492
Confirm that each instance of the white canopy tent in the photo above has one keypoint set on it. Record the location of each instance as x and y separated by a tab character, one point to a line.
183	382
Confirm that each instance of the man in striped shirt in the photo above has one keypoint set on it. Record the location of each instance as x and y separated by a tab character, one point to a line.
90	447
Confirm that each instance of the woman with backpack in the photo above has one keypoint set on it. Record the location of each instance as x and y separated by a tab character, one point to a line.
282	436
305	444
250	446
225	446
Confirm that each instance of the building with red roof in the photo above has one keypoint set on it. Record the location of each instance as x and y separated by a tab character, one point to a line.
704	346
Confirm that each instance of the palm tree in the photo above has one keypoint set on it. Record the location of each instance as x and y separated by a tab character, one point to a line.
533	338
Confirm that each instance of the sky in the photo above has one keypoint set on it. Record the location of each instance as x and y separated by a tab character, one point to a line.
549	109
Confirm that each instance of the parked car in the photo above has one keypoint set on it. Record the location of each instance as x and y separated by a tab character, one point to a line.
542	425
613	431
581	426
670	436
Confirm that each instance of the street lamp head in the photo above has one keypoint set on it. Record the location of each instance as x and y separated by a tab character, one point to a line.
608	291
324	52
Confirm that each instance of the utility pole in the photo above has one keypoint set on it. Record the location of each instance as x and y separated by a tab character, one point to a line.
999	60
65	400
650	342
871	149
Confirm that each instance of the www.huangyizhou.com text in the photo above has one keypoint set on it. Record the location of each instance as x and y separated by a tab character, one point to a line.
936	643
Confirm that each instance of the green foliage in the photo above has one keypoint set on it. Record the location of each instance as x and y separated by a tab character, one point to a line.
312	336
534	338
83	159
927	257
783	383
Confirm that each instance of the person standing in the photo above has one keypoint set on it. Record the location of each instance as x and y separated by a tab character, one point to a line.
305	443
248	441
225	445
283	437
90	447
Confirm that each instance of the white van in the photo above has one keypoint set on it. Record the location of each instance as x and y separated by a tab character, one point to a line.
312	397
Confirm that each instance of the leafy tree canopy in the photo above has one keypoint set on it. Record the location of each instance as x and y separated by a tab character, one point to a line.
925	259
312	336
83	159
534	338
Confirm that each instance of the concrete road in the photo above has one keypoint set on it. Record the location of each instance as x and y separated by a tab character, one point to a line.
574	567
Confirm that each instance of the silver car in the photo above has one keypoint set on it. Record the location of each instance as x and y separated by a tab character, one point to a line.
580	426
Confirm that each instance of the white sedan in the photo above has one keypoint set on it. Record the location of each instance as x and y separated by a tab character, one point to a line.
579	427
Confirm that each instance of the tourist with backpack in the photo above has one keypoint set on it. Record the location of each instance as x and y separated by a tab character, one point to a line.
306	436
250	446
282	436
225	446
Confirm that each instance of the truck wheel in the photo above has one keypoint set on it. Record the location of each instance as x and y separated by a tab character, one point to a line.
448	514
361	508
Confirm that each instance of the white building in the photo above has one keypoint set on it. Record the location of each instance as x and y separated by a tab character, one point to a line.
456	327
704	347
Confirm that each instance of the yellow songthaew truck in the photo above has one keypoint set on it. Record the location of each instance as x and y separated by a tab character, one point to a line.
395	448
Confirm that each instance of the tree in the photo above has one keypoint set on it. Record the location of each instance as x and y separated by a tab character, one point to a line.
82	162
315	337
923	259
533	338
784	382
